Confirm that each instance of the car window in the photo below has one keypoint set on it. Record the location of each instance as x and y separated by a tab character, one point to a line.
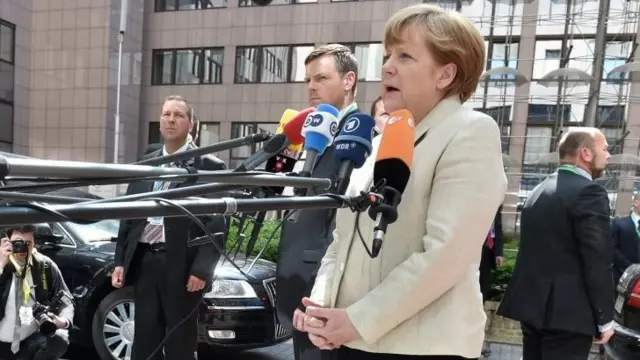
57	230
99	231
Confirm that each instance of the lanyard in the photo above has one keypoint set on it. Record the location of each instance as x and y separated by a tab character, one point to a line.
569	169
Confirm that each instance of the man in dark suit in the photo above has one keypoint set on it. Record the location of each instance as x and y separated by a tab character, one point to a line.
562	285
151	255
491	260
331	74
626	240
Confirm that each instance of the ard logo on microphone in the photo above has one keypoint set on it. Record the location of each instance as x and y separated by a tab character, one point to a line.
313	120
351	125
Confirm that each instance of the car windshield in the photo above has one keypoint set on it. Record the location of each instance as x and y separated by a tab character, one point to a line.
98	231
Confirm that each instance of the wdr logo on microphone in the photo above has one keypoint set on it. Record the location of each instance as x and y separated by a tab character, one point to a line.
313	120
351	125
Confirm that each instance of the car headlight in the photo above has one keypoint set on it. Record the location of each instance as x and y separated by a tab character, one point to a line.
230	289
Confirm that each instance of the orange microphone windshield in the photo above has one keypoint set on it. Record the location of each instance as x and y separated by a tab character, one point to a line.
395	153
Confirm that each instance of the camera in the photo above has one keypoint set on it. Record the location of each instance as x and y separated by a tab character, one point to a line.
41	312
19	246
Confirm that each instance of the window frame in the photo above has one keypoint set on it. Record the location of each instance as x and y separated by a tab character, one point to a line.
157	6
174	63
352	46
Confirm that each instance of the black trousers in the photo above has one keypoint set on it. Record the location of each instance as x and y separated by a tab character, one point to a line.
36	347
161	304
345	353
486	267
303	349
554	345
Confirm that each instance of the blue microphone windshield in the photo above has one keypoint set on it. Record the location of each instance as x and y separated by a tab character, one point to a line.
354	140
328	109
320	128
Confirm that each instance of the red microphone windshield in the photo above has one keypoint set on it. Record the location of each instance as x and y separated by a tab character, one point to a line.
293	128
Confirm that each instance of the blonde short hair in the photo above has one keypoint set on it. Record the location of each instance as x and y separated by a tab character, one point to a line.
450	37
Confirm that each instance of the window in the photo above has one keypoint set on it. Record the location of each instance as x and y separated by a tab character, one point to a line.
271	64
102	230
610	115
187	66
537	143
370	58
154	133
7	42
552	54
504	55
208	134
613	136
6	122
240	129
247	3
616	54
172	5
6	82
549	113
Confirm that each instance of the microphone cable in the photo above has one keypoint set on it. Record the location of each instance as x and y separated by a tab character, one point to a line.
195	309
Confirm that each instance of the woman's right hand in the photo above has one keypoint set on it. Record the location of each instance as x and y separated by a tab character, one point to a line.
5	251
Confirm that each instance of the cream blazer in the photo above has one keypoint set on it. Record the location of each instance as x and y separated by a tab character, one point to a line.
421	295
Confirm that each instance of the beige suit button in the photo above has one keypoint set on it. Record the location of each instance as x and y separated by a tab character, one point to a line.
341	267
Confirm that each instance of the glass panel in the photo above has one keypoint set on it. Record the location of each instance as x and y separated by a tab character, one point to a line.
154	133
165	5
209	134
298	55
246	65
247	3
241	130
200	4
213	59
188	66
162	63
504	55
275	64
537	143
6	81
6	43
369	61
6	123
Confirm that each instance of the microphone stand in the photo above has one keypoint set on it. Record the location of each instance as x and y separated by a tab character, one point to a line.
34	213
221	146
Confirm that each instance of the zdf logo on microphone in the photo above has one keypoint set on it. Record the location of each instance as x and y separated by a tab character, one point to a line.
394	119
351	125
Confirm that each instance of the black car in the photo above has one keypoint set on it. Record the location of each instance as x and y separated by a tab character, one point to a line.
625	343
236	313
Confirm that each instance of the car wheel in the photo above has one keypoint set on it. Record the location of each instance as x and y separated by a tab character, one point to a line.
113	325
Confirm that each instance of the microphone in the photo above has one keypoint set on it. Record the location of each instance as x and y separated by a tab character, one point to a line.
393	166
352	147
318	131
291	123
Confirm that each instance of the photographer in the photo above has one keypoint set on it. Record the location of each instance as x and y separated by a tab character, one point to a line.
35	306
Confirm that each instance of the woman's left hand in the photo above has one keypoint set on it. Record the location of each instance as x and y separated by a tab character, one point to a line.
337	330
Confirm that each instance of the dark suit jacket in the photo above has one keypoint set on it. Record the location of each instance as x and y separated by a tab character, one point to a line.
303	244
498	242
626	245
182	260
563	275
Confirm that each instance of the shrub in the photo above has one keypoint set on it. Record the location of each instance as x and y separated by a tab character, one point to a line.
500	277
269	235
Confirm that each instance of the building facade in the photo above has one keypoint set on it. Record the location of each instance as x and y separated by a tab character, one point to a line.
551	64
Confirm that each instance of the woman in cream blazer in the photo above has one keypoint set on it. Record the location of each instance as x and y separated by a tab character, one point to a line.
420	297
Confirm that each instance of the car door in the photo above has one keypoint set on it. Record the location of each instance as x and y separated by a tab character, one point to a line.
63	253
